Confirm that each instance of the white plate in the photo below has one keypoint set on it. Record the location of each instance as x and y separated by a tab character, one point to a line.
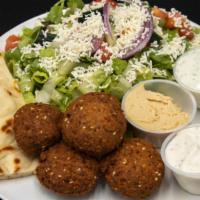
29	189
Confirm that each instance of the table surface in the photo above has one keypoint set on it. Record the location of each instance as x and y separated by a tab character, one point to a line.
14	12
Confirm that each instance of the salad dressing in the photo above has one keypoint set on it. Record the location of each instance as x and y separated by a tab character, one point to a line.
183	152
187	69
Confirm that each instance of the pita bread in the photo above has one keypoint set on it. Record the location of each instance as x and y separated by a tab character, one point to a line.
13	162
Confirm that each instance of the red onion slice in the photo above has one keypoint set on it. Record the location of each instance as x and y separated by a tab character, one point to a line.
108	31
137	44
96	44
141	41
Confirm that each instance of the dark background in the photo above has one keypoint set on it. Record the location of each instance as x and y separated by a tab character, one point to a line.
13	12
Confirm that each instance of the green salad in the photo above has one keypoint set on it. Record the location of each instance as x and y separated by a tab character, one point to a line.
105	46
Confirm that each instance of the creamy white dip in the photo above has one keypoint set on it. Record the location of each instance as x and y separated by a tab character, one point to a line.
187	69
183	152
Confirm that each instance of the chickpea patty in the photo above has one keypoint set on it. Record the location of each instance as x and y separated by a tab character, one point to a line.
135	170
66	172
36	127
94	124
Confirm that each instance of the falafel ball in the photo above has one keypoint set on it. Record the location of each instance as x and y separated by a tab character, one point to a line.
36	127
66	172
135	170
94	124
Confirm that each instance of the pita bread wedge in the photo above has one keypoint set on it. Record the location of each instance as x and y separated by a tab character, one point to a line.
13	162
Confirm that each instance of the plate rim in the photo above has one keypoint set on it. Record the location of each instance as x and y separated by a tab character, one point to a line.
16	29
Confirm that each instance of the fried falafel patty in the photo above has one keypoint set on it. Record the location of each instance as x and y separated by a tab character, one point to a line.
135	170
94	124
66	172
36	127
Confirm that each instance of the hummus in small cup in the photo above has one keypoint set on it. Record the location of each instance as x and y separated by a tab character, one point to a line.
157	108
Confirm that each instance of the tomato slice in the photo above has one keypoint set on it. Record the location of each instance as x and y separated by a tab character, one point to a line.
113	3
105	55
157	12
184	28
12	42
170	23
186	32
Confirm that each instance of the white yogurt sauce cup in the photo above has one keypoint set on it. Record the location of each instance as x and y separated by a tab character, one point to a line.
187	72
181	154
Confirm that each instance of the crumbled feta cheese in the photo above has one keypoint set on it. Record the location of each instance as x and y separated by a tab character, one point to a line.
129	23
35	48
178	19
159	72
157	29
174	48
48	63
75	41
29	49
154	44
94	5
131	75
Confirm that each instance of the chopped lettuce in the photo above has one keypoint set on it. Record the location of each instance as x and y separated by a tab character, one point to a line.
162	61
73	4
12	58
48	52
62	103
98	77
144	74
119	65
163	74
56	96
29	97
171	34
33	67
26	84
85	88
65	67
29	36
86	60
29	58
118	86
55	14
13	54
92	82
106	83
68	90
40	77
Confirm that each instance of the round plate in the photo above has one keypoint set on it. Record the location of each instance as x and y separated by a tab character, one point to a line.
29	187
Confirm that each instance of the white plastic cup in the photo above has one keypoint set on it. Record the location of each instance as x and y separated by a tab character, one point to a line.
195	92
190	182
181	97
